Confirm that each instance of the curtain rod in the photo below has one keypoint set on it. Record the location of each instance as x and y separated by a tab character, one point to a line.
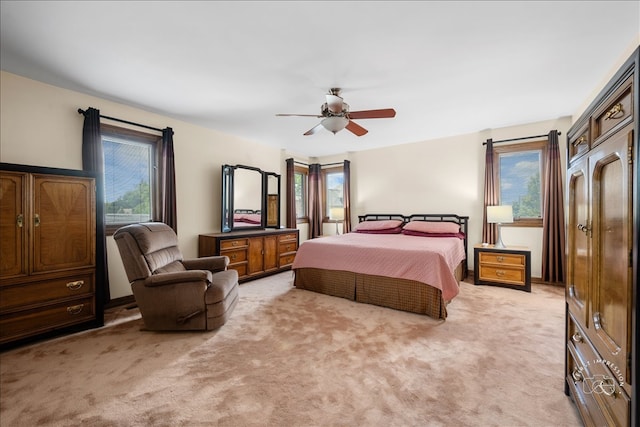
327	164
518	139
80	111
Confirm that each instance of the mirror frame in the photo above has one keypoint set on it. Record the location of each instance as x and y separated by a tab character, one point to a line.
227	205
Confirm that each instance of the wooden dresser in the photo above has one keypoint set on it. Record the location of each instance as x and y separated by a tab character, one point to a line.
602	255
254	253
509	267
48	252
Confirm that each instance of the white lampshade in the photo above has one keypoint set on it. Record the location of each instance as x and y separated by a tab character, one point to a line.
502	214
336	214
334	124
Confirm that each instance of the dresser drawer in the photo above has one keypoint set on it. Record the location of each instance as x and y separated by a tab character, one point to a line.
287	260
235	256
616	110
33	293
233	244
580	143
44	319
502	258
288	237
288	247
241	268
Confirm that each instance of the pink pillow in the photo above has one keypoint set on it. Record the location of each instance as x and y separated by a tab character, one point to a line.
378	225
396	230
432	227
421	234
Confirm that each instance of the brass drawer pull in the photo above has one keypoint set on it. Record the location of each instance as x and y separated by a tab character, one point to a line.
234	256
74	286
500	258
75	309
234	243
579	141
576	338
615	112
20	220
499	273
36	220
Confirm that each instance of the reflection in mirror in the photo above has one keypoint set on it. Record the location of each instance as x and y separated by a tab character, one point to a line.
273	200
246	194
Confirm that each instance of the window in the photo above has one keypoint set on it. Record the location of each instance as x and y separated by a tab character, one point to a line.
520	174
130	176
334	194
300	176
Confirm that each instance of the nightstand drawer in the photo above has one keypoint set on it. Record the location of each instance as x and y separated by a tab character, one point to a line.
502	258
507	275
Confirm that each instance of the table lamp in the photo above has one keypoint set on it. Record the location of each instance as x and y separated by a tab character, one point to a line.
336	214
502	214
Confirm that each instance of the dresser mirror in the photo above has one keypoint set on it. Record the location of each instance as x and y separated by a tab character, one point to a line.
247	194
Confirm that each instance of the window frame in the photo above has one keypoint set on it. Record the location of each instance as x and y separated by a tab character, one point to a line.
155	141
325	173
540	145
303	219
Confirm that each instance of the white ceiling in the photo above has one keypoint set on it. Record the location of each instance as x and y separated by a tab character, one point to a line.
448	68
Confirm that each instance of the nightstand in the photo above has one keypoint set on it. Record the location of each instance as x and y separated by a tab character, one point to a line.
509	267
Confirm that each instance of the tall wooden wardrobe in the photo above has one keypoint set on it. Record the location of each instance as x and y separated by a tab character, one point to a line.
602	254
49	280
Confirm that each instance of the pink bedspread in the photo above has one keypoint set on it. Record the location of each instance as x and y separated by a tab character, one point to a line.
430	260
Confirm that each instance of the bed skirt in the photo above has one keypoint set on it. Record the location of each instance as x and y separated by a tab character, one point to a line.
399	294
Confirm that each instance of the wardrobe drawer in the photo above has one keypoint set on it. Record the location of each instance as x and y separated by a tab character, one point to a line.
233	243
579	143
31	293
615	111
44	319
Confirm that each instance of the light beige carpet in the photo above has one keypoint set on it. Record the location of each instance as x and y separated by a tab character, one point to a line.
290	357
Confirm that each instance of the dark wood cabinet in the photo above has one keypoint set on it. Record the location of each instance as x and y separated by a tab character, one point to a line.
253	253
602	255
48	252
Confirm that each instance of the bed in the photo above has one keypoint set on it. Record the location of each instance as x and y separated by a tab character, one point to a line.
412	263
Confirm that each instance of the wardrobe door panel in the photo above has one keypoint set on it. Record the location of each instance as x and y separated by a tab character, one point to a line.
13	244
578	243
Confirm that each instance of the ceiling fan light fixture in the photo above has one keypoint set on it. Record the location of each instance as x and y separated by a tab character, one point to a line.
334	124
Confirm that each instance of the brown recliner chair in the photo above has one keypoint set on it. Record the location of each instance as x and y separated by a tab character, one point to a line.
171	292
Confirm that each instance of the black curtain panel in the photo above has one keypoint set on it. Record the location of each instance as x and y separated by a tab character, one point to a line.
315	200
291	195
168	200
489	231
553	261
346	169
93	161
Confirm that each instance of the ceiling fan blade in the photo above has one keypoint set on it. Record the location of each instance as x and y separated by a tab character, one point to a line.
334	103
313	130
298	115
373	114
355	128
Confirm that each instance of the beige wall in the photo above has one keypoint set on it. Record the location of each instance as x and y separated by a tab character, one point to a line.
40	126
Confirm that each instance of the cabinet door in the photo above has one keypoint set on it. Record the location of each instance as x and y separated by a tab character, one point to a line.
13	213
578	265
611	174
63	223
256	255
270	252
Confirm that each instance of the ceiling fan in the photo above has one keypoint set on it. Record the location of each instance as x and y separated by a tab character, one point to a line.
336	116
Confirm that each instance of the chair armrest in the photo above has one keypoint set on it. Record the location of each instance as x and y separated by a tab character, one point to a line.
211	263
178	277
